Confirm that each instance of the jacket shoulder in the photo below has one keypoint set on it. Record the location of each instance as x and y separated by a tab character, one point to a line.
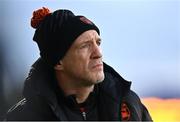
137	111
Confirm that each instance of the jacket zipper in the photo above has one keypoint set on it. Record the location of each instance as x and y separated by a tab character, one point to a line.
83	113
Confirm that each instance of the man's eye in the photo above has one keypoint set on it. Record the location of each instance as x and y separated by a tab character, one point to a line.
99	43
85	46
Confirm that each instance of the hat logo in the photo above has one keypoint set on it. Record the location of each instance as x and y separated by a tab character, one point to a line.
85	20
125	112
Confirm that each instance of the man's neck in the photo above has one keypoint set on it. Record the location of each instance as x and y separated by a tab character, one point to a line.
81	93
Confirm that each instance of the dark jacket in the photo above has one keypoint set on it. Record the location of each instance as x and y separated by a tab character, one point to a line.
114	99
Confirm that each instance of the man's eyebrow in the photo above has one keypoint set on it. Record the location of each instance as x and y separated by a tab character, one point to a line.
89	40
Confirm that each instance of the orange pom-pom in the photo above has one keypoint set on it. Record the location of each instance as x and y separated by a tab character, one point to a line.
38	16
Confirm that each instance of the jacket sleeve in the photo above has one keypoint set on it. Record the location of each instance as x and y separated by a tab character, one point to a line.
16	112
29	111
134	108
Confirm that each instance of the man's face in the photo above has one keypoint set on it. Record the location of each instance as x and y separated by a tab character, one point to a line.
83	61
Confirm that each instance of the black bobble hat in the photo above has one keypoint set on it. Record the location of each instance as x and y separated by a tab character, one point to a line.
57	31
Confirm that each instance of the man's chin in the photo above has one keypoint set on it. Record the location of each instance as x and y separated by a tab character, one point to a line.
100	79
96	81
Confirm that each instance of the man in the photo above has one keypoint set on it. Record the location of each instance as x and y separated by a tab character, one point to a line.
70	81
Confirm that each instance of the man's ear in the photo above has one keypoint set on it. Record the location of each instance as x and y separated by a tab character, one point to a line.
58	66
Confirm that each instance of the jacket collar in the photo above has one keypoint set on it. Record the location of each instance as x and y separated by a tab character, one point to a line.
40	83
114	85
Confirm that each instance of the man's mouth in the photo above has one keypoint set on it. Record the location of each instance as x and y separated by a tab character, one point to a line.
98	66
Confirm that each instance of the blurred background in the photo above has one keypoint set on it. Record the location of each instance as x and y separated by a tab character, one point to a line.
141	40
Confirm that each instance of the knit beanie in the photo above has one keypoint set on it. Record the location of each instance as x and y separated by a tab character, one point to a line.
56	32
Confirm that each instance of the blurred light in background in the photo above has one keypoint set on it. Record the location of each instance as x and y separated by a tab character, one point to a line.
163	110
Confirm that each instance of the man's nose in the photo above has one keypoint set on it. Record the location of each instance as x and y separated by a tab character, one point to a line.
97	52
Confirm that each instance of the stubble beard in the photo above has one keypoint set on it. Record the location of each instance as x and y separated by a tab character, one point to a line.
99	79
